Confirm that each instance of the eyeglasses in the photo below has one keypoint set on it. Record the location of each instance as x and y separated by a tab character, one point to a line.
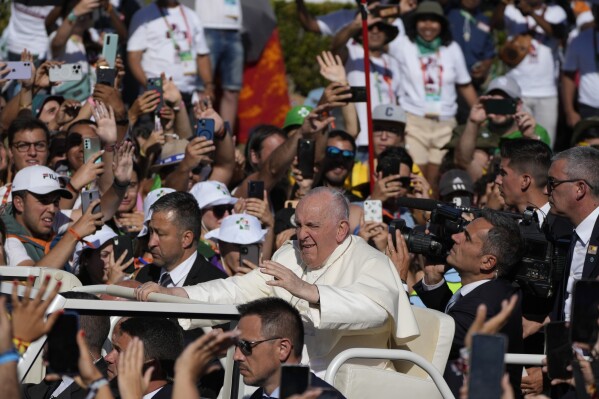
335	152
246	346
552	183
23	146
220	210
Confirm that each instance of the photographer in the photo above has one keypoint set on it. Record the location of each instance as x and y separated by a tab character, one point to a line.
499	126
484	253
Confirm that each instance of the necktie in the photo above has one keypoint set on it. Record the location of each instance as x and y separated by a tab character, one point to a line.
165	280
454	298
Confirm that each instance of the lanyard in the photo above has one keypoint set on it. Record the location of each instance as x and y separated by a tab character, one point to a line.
467	30
424	68
170	29
387	78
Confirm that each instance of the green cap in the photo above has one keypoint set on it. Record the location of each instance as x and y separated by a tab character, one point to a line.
296	116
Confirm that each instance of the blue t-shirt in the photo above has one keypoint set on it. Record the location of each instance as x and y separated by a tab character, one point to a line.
473	35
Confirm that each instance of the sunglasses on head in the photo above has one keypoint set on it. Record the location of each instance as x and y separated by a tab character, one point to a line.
246	347
335	152
220	210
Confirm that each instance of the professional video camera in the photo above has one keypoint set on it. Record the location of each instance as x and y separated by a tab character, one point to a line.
445	220
543	263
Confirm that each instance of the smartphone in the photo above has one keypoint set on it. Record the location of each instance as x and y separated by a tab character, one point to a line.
110	48
106	76
558	348
156	84
250	252
500	106
87	197
63	351
205	129
358	94
256	189
66	73
18	70
585	300
373	211
91	146
486	366
389	166
386	11
295	380
305	157
119	245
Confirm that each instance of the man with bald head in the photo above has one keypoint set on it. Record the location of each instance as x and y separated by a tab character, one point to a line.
348	293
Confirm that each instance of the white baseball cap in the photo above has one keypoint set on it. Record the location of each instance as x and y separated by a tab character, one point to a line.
148	202
212	193
39	179
239	229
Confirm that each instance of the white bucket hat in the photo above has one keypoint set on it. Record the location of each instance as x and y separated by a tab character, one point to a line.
211	193
239	229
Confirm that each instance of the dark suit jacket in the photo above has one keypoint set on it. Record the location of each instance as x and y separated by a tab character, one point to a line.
329	391
200	272
590	270
464	312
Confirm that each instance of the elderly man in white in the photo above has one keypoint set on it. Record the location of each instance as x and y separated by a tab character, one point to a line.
348	293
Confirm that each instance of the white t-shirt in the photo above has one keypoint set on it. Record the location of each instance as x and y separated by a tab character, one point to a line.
219	14
445	68
149	33
538	71
581	57
26	29
384	82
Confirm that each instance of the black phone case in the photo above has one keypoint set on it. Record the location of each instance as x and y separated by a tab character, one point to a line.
305	158
256	189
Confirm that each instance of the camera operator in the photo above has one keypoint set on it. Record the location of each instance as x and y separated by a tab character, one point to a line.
484	253
522	180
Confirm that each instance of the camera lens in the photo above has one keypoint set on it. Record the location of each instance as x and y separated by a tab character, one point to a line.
244	250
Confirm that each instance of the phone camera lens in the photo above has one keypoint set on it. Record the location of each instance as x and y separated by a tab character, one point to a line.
244	250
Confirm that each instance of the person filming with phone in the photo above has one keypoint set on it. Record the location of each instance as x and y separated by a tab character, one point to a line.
500	114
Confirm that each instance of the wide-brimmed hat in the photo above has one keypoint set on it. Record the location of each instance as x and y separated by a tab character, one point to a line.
429	9
390	31
240	229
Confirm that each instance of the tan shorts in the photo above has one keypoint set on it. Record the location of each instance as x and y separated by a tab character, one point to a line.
425	138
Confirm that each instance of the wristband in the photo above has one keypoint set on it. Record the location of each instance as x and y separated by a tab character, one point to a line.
71	187
109	147
74	234
95	386
20	345
9	356
72	17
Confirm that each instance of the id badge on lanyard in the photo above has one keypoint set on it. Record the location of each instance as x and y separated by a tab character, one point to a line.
432	77
188	62
231	9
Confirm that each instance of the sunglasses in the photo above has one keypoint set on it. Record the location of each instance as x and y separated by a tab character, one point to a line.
552	183
335	152
246	347
220	210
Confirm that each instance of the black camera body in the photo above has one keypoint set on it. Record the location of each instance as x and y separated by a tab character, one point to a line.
543	263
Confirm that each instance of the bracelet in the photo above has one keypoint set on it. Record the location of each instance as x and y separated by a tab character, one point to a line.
109	147
95	386
122	122
71	187
20	345
120	185
9	356
74	234
72	17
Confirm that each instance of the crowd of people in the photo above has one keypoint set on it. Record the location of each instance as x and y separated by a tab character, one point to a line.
131	174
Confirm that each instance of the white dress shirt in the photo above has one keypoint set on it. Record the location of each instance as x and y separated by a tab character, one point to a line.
179	273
